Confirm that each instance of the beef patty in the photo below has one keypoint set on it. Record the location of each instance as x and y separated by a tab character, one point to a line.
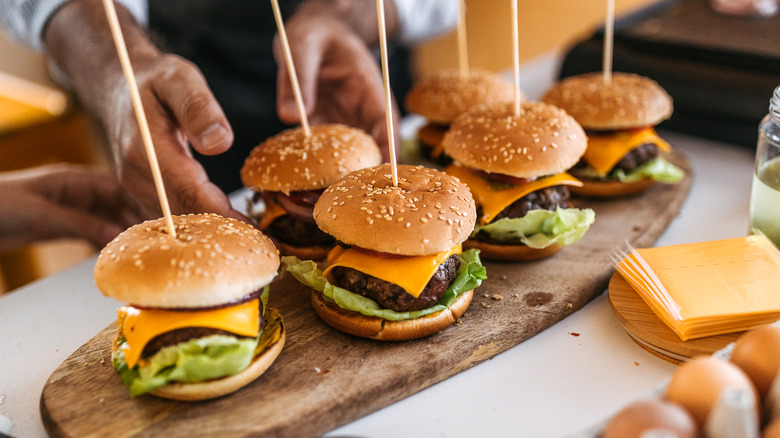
390	295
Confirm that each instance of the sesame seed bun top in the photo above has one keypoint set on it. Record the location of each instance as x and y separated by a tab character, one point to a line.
212	261
541	140
427	213
445	94
290	161
627	101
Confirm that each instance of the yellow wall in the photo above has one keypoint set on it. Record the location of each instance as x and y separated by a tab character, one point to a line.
545	25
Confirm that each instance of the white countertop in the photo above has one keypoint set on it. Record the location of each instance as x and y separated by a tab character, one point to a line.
554	384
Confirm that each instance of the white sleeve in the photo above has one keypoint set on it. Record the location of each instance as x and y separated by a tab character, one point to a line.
423	19
24	20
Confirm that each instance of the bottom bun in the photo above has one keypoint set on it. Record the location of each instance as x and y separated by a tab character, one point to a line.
225	385
315	253
510	253
608	189
195	391
380	329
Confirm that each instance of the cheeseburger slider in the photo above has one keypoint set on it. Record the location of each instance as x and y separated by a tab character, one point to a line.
197	326
446	94
624	152
290	171
398	272
514	166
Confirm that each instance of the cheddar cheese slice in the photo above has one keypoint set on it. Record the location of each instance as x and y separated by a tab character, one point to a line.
272	211
493	201
605	151
708	288
412	273
139	326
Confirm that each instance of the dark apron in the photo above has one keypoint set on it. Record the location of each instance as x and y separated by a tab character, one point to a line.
231	42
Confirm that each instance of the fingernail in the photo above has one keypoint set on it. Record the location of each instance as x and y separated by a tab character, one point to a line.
213	136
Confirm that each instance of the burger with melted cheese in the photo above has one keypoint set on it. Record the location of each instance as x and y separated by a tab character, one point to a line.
443	95
289	171
399	271
197	325
515	166
624	154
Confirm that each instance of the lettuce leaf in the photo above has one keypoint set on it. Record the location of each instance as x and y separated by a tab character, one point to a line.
199	359
657	169
541	228
469	276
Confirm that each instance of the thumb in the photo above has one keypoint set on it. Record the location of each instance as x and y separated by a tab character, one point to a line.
186	94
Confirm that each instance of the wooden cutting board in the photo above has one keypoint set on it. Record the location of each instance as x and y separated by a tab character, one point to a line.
324	379
647	329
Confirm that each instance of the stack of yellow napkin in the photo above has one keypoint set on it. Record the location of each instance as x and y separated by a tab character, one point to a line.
708	288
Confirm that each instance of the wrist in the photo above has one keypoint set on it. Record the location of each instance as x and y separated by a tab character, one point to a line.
88	57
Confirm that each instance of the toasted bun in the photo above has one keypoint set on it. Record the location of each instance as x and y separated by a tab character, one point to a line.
444	95
209	389
290	161
428	212
542	140
383	330
213	260
627	101
609	189
510	253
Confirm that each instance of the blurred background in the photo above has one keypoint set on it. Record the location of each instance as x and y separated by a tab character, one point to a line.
31	135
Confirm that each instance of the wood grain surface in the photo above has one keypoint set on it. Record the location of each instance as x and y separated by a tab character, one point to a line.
324	379
647	330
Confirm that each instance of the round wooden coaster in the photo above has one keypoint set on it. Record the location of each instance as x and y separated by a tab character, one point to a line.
647	330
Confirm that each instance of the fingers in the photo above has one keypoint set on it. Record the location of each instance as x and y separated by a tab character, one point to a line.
85	188
183	89
30	218
307	53
190	191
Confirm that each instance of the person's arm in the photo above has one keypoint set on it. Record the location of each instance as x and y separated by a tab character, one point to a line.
180	107
62	201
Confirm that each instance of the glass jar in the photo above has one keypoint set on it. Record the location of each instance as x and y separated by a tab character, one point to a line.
765	194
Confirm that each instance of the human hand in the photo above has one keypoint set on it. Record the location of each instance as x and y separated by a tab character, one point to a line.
62	201
181	111
340	80
179	106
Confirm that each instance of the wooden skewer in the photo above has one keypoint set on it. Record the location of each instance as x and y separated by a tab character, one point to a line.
609	33
380	12
463	51
291	68
146	136
516	57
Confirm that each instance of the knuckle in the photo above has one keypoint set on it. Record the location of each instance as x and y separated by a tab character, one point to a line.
187	199
194	105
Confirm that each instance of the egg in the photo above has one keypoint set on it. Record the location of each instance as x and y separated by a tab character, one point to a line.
697	384
757	352
652	414
772	430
